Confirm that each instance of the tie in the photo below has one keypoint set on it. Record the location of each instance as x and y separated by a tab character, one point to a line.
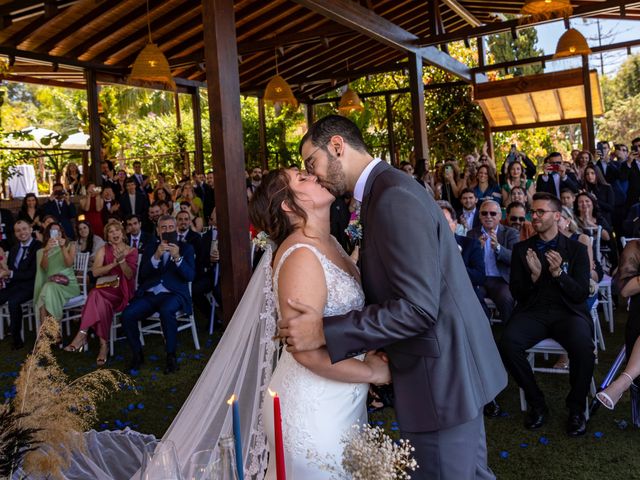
59	207
181	237
135	243
543	246
21	254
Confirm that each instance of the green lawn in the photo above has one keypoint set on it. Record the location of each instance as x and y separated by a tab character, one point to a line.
607	452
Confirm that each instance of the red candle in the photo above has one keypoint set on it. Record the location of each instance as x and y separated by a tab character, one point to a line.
277	423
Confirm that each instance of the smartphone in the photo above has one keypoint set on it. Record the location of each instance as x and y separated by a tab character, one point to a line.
554	168
170	237
634	148
97	189
54	233
448	168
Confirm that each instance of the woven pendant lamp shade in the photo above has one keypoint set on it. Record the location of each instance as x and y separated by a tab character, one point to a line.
571	43
546	8
279	91
152	66
349	102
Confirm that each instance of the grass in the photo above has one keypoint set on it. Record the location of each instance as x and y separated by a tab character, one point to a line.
606	452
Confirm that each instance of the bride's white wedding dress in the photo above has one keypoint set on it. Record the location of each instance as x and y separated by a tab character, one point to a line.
316	411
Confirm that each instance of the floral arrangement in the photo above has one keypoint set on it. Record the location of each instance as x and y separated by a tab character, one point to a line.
261	240
354	229
44	422
370	454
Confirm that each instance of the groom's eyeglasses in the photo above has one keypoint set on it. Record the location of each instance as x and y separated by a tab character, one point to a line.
308	162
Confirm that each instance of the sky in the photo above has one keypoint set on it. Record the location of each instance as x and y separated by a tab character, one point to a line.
611	31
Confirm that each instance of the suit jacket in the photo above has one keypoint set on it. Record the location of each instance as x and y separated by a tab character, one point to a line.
507	238
175	278
549	185
631	174
6	228
573	285
443	359
473	258
64	215
144	240
204	265
142	204
194	239
206	194
475	223
25	275
147	189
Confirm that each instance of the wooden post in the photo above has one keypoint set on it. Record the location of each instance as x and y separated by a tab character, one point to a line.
95	133
197	130
416	86
223	85
588	135
262	135
488	136
390	134
311	114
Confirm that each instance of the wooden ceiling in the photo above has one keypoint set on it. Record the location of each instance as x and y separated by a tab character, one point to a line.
318	43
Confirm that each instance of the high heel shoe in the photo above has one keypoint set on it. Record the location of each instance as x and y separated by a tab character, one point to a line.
102	356
610	396
75	348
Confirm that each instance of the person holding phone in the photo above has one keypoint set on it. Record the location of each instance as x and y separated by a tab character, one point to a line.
166	269
555	176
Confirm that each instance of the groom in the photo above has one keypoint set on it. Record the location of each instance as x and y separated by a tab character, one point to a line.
421	307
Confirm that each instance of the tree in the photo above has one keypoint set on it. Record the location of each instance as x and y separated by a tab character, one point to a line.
504	48
622	123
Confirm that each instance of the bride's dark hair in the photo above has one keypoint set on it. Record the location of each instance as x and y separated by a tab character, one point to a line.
265	206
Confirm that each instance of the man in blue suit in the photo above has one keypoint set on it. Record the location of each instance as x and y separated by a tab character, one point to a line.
166	269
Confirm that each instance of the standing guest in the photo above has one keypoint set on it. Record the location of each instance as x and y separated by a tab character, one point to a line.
488	187
610	170
162	194
143	184
584	158
55	279
72	179
470	175
407	168
516	177
166	207
470	216
550	281
119	186
448	184
555	176
254	181
210	179
497	242
517	219
195	203
133	200
60	206
115	259
19	275
630	173
568	198
165	271
205	193
87	241
91	205
136	237
110	206
423	176
29	211
161	181
38	232
594	183
6	229
107	175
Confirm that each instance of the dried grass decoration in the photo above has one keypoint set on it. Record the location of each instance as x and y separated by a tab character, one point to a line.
49	413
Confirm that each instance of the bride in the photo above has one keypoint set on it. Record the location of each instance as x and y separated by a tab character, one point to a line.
320	401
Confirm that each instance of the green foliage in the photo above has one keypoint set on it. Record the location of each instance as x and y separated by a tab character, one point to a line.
503	48
622	122
624	85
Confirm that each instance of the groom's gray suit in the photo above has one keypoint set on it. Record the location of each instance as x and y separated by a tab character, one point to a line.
422	309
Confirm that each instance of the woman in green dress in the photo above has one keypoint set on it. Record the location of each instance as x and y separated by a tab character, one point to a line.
55	279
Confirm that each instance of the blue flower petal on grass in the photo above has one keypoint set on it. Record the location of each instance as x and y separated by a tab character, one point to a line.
119	423
621	424
179	359
154	377
154	358
141	406
544	440
173	389
504	454
394	429
380	423
131	406
103	426
134	373
524	445
598	434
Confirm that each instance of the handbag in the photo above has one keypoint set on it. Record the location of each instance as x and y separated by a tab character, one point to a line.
108	281
59	279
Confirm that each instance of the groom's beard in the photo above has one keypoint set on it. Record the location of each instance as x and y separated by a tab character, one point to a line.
335	180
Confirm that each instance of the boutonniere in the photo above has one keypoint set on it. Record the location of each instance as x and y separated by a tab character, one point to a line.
261	240
354	229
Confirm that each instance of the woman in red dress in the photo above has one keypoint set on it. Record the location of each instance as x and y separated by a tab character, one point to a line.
91	204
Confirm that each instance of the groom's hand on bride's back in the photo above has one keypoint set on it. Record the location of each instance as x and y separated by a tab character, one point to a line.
303	331
379	364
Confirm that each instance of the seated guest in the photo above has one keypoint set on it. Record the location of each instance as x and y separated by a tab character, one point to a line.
149	223
497	242
516	177
166	207
517	219
18	275
166	269
555	176
38	231
568	198
133	200
594	183
137	238
550	281
110	206
589	219
116	260
164	195
183	228
470	216
29	211
61	208
87	240
55	278
208	256
91	205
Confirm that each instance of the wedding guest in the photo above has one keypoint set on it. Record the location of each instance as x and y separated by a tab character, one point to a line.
29	210
519	195
488	187
137	238
516	177
470	216
110	206
91	204
72	179
60	206
18	276
594	183
149	223
183	228
87	241
195	203
107	174
142	182
55	278
208	257
589	218
165	271
6	228
555	176
133	200
407	168
517	219
423	176
254	181
550	282
116	265
162	193
582	160
568	198
448	184
119	187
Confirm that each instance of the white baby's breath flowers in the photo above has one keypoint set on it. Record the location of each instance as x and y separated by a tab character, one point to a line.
370	454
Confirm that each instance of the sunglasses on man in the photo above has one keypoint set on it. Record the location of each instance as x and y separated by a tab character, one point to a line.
486	213
513	218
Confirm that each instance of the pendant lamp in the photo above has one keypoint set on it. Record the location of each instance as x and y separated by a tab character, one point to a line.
350	101
547	8
278	90
571	43
151	65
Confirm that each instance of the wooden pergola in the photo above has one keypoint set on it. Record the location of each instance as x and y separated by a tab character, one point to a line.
230	47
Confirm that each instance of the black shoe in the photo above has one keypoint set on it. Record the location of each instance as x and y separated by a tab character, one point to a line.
536	417
17	345
492	409
172	364
136	360
576	425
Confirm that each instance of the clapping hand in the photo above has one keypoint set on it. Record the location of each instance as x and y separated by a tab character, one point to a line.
533	262
483	239
555	262
494	239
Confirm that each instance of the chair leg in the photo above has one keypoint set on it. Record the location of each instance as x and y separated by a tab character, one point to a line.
212	317
194	332
610	309
523	401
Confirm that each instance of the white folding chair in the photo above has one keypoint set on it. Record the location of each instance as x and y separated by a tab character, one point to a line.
115	324
606	300
625	240
5	317
493	311
212	298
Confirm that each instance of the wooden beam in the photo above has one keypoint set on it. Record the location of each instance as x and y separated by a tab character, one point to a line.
365	21
262	135
507	107
462	12
488	136
529	100
40	81
197	129
589	135
390	133
525	126
95	132
559	109
17	53
530	83
418	116
50	11
226	143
